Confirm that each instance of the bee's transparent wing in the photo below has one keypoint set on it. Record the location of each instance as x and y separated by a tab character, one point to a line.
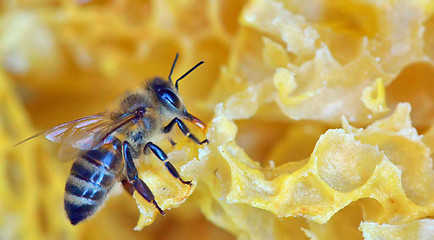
80	133
75	136
65	131
67	152
83	134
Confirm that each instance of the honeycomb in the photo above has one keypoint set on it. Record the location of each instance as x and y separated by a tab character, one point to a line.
320	116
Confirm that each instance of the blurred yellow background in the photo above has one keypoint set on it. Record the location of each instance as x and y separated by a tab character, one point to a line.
309	133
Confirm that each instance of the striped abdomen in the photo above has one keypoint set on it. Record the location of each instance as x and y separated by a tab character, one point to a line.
92	176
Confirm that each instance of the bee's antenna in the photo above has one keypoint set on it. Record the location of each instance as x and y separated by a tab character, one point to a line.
173	66
188	72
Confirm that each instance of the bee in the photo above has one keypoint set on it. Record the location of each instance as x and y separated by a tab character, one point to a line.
141	118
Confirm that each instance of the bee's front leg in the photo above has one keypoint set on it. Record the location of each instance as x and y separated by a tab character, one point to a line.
133	178
184	129
163	157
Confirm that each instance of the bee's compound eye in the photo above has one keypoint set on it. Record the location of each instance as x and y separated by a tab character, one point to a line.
169	97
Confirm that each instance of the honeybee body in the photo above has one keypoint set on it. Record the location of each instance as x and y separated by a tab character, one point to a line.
105	146
94	172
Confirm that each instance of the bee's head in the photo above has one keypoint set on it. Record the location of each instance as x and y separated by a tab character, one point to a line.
167	94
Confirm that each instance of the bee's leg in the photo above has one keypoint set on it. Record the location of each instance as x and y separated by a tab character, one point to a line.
184	129
132	176
129	187
163	157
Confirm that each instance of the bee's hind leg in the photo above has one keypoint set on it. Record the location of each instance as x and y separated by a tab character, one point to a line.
129	187
133	178
163	157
